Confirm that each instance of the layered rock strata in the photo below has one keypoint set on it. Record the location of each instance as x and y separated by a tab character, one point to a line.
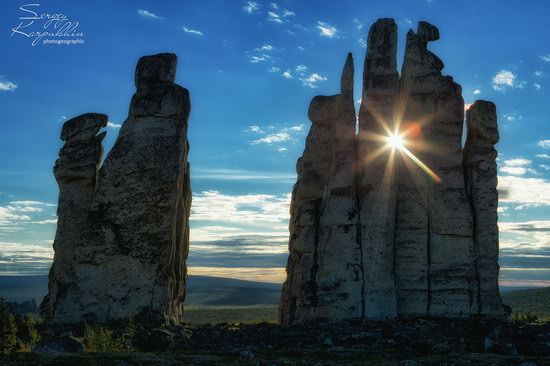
129	258
382	228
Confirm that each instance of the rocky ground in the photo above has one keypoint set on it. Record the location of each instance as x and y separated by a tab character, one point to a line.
418	342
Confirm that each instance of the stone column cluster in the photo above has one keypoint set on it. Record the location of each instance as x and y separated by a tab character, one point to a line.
379	232
123	233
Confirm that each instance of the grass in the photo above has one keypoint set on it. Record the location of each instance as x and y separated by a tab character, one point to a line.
240	314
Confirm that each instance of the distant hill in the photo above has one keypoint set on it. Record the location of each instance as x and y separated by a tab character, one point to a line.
537	300
227	292
201	291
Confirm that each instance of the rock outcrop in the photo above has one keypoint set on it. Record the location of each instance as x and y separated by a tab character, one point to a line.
395	228
481	182
129	258
76	174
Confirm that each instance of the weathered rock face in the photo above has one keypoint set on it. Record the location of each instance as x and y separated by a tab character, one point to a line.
395	231
376	169
130	255
323	208
76	174
434	245
481	182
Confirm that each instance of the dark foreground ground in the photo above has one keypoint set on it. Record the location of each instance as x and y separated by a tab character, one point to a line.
414	342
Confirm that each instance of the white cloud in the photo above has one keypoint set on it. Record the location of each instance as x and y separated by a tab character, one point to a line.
246	209
545	57
256	59
282	149
517	162
265	47
326	30
521	190
358	24
512	116
274	17
513	170
255	129
45	222
545	144
288	13
505	79
297	128
477	91
301	68
409	22
531	235
311	80
287	75
7	86
8	216
148	14
113	125
274	69
272	138
543	156
251	7
536	86
538	73
544	166
22	258
363	42
192	31
278	15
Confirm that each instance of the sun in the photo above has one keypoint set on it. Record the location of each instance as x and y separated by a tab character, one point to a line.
395	141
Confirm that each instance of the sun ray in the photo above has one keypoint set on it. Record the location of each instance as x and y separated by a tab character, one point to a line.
397	142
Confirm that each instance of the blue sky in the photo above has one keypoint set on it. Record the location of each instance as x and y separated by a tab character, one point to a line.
252	68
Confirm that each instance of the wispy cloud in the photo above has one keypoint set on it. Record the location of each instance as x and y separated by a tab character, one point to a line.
272	138
358	24
543	156
477	91
326	30
7	86
513	116
274	69
261	58
538	73
242	175
545	144
278	15
148	14
545	57
537	86
113	125
251	7
505	79
287	74
311	80
192	31
276	136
